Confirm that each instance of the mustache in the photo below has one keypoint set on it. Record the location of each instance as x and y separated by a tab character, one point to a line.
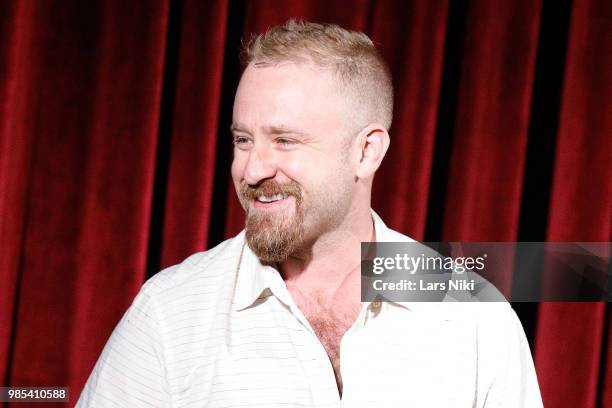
270	188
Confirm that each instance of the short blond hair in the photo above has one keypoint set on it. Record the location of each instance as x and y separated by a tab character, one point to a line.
350	55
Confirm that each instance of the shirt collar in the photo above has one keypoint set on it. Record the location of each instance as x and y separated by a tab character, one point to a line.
254	277
386	234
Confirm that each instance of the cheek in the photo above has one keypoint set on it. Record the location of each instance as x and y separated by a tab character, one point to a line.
295	168
306	171
310	167
312	174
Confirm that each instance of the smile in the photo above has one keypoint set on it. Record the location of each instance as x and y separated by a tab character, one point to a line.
271	199
272	203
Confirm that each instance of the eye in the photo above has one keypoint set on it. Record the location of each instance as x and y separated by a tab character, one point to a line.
285	142
242	142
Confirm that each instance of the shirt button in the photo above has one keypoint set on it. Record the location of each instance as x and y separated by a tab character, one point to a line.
375	304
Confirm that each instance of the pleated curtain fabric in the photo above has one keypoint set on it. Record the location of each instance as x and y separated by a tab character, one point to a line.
115	153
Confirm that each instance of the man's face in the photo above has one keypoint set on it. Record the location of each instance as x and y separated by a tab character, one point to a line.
291	165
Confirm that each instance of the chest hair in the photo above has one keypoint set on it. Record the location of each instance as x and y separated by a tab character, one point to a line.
329	324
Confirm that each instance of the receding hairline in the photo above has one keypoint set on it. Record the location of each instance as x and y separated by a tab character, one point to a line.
349	55
290	40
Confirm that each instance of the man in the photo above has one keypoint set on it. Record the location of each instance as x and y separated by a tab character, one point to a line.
273	317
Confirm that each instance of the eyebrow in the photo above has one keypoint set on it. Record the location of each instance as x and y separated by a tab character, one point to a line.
236	128
274	129
281	129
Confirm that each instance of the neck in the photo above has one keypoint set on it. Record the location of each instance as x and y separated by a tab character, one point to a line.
334	259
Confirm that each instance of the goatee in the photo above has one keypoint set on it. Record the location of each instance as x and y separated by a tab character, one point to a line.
273	236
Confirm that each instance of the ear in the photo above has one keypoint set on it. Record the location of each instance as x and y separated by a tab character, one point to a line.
373	142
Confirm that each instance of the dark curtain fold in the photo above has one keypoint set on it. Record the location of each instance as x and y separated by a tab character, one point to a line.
491	124
581	210
194	118
84	93
115	155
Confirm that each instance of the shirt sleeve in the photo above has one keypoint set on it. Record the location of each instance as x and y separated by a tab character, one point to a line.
131	369
515	383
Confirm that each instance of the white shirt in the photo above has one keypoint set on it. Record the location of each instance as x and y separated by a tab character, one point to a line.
221	330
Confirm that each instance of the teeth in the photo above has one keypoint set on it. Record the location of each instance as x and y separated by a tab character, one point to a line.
275	197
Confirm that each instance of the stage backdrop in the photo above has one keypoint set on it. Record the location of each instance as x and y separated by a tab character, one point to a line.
115	155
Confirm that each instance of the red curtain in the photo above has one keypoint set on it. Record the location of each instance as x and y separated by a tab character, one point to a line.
115	154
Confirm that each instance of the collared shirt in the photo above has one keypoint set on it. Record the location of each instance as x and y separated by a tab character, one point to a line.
222	330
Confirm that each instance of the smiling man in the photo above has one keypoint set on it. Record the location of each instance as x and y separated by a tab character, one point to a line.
273	317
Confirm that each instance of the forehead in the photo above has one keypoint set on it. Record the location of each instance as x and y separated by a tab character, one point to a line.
288	94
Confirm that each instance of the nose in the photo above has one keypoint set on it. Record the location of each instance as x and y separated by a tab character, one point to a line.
260	165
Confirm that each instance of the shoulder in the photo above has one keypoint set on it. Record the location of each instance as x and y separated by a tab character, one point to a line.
494	325
499	331
198	287
207	267
203	279
499	323
489	317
